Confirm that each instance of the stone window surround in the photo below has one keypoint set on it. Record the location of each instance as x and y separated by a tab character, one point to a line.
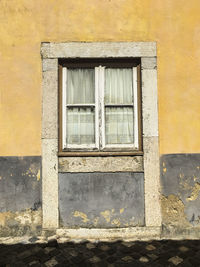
147	52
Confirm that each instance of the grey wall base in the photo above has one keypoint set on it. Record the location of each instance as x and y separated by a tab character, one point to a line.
101	200
180	180
20	196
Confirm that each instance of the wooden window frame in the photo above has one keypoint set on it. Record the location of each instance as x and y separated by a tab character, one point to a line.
92	63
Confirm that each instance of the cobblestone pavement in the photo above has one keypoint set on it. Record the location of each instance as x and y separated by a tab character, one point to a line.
154	253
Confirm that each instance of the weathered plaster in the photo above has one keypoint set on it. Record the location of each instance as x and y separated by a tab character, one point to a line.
21	223
180	179
20	183
101	200
100	164
173	211
20	196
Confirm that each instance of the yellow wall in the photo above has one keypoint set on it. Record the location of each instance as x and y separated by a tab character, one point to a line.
24	24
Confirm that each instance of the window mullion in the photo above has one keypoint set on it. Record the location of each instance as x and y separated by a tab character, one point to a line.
97	106
64	121
102	109
135	101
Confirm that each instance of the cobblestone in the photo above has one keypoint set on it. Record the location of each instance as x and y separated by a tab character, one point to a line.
155	253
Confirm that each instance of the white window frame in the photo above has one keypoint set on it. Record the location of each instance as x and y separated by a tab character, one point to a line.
100	144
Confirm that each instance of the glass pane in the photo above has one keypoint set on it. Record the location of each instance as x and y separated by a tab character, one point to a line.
80	86
80	125
119	125
118	86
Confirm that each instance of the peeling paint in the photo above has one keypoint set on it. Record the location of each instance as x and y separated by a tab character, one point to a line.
38	175
82	215
116	222
24	219
195	192
106	214
20	223
173	211
163	164
121	210
181	175
96	220
3	217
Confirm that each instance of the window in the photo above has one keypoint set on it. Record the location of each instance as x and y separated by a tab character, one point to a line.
100	107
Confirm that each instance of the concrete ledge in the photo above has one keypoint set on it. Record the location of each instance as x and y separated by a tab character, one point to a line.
128	234
98	49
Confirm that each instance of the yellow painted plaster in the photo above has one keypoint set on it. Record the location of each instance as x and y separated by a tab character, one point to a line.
173	24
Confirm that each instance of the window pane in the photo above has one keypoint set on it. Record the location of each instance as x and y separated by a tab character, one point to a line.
118	86
80	126
119	125
80	86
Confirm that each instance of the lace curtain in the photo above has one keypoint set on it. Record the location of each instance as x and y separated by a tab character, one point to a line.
119	117
118	100
80	120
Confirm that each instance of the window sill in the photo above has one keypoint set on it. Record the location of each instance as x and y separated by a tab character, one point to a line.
99	154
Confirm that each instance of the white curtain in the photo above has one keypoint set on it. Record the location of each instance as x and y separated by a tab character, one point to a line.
118	86
80	126
80	86
119	125
80	120
119	119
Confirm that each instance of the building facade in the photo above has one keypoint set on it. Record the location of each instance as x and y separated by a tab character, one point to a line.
100	118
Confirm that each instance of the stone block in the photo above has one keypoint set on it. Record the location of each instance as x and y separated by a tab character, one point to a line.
149	102
101	164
